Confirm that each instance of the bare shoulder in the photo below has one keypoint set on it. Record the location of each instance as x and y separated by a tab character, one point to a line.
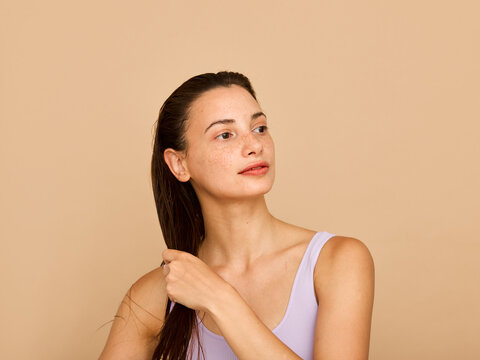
344	246
139	319
340	258
149	297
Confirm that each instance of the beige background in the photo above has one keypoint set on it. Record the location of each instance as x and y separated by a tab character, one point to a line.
374	109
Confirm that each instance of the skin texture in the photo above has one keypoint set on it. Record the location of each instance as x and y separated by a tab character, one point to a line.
245	248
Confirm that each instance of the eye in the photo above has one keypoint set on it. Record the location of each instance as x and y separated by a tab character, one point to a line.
263	127
222	136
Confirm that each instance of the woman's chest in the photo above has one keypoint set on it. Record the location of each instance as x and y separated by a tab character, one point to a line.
267	289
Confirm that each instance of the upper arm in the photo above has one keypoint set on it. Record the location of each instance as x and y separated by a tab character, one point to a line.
139	319
344	286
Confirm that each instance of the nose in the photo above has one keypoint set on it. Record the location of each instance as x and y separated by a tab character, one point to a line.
252	145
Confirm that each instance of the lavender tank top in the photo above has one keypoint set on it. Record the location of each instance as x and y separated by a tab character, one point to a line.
296	329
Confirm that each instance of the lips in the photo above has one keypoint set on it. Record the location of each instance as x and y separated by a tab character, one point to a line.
259	164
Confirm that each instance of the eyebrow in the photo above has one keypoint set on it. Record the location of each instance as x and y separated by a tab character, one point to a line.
229	121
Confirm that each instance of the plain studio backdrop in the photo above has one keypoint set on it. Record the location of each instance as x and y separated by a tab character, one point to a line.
374	110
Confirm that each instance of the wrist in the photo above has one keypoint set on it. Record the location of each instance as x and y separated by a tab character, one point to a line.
222	301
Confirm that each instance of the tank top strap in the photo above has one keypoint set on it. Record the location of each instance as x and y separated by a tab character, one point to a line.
313	251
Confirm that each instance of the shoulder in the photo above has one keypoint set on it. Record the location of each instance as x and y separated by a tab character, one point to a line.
148	297
343	246
139	318
343	260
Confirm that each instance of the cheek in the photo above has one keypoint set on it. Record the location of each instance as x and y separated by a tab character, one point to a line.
269	145
212	165
220	160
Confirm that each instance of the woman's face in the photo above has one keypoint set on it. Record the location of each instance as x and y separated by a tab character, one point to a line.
219	150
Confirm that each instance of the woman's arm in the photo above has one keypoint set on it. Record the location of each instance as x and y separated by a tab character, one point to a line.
138	320
345	285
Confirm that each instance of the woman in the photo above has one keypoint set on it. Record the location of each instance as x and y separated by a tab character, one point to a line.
235	281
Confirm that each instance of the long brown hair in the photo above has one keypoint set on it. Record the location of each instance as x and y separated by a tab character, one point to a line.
178	207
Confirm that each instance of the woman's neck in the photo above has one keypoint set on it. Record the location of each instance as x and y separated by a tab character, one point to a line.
238	233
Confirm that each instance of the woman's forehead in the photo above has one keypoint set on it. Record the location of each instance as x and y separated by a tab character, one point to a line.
222	102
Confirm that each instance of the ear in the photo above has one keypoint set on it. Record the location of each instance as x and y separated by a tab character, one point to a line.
176	162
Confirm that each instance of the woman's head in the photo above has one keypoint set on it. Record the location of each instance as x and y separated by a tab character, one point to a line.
209	153
208	130
226	131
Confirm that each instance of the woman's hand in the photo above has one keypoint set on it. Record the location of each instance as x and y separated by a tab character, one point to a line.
191	282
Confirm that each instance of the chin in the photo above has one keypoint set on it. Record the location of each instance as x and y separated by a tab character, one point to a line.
247	192
259	190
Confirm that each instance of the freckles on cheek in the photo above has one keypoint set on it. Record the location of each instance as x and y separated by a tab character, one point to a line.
220	160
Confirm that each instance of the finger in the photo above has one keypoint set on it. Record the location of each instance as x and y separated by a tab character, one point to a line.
165	270
170	254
